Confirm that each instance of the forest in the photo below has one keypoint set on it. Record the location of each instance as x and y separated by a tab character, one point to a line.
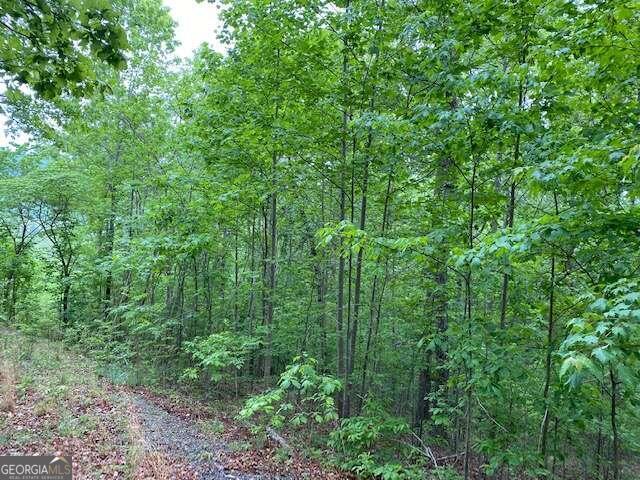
401	237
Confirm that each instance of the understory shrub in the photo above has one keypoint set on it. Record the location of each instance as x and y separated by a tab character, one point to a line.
303	395
220	355
370	445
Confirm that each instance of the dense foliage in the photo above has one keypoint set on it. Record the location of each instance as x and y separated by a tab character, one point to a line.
433	205
49	45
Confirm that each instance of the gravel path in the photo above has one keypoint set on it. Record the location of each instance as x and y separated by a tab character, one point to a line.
168	433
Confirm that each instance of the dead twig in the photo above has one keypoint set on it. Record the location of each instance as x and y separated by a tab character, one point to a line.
426	450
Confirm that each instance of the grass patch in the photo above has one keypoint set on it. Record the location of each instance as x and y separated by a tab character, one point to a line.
7	387
75	427
240	446
212	426
44	407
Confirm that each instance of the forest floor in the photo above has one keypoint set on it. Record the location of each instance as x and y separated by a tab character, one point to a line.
52	401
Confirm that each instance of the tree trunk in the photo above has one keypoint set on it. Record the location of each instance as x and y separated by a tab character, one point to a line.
66	288
374	309
252	266
236	279
614	425
422	400
271	273
340	340
511	211
469	304
550	340
508	224
357	286
109	244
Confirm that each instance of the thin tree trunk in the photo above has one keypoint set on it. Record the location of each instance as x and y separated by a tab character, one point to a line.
322	281
340	340
252	266
66	288
209	292
614	425
236	278
110	234
550	340
340	309
374	313
508	224
271	280
358	281
196	288
272	259
510	216
469	303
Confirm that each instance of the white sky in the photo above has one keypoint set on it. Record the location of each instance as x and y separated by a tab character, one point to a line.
197	23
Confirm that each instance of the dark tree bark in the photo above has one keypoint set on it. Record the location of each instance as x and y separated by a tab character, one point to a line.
376	299
615	453
548	358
